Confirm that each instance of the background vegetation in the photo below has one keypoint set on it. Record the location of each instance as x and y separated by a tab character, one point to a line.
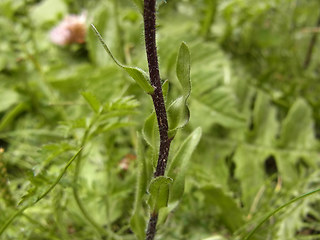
255	94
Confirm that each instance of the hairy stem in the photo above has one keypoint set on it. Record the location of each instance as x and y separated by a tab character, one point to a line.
149	16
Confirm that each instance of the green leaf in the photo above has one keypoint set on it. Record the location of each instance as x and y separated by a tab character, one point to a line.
9	116
137	221
140	76
297	130
138	225
216	237
139	4
219	106
33	197
178	115
183	68
48	10
160	2
178	111
296	135
36	192
249	171
179	165
230	213
209	13
92	100
269	215
265	126
159	193
165	89
150	131
7	98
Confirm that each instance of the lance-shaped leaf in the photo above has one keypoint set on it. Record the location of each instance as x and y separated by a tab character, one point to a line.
159	193
178	111
177	171
140	76
179	165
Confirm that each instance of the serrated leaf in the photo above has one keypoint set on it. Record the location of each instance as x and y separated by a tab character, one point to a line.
140	76
179	165
40	182
159	193
92	101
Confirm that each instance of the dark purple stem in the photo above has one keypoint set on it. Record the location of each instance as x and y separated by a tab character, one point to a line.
149	16
157	96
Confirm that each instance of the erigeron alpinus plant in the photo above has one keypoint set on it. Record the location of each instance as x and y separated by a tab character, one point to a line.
165	188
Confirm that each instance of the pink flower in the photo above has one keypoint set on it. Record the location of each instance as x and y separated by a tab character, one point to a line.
71	30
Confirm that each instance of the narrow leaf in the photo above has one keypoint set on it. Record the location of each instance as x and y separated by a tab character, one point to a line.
137	74
178	111
183	68
178	115
269	215
179	165
10	115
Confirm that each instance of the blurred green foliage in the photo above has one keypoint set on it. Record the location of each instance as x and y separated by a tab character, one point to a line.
256	102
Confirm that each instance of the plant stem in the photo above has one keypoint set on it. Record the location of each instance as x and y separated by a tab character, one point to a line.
157	96
249	236
152	226
149	16
43	195
312	43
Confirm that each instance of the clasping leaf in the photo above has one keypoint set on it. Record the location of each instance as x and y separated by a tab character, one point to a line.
159	193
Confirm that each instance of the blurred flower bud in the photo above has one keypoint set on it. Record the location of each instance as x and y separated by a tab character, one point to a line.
71	30
125	162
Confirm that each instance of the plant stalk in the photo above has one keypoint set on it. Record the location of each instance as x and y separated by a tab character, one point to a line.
149	16
312	44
